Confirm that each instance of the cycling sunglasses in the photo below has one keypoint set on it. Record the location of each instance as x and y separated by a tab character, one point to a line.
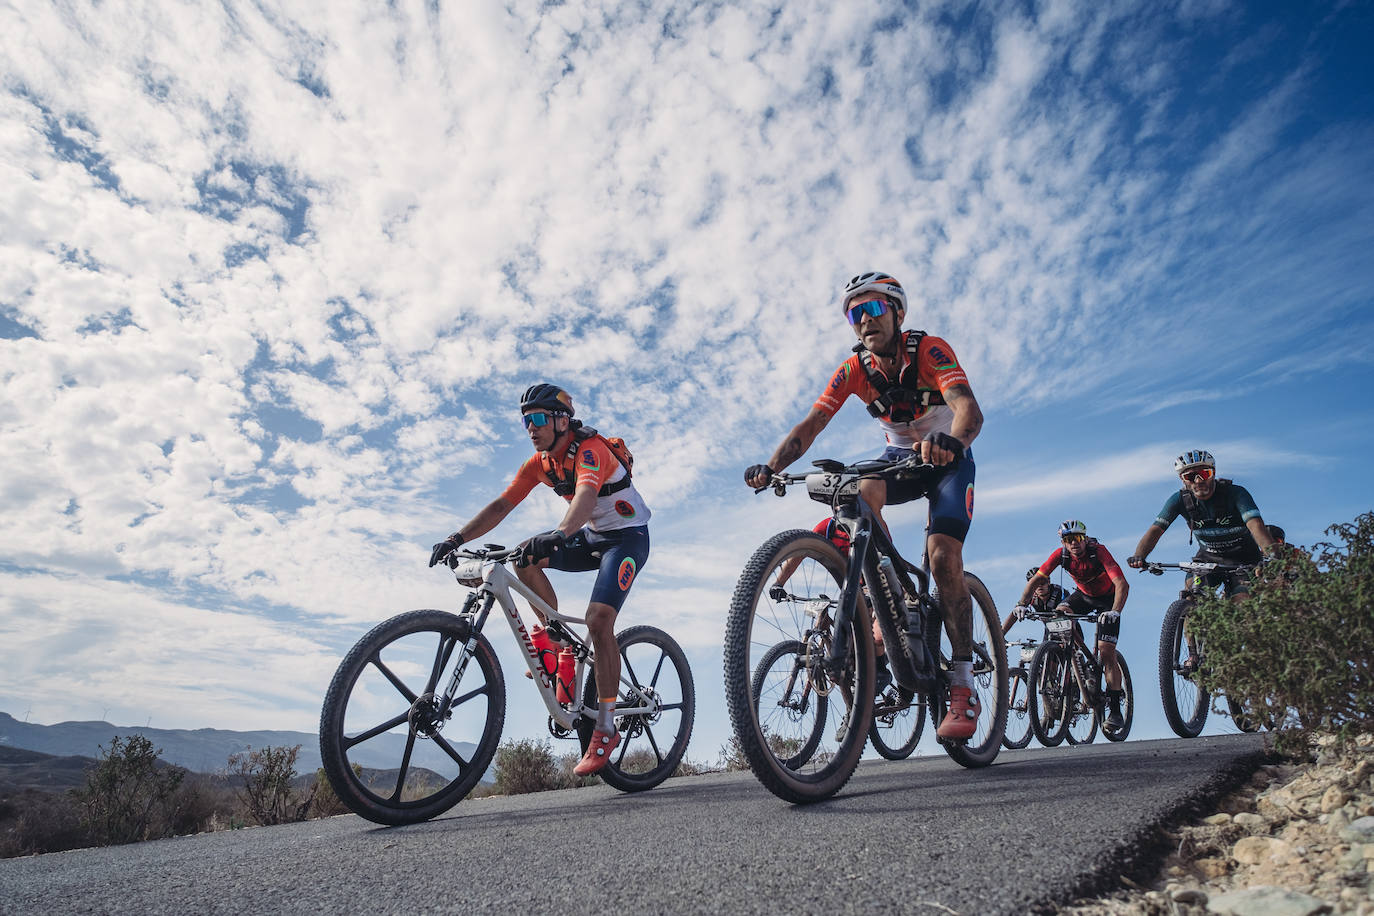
1073	538
1198	475
538	419
873	307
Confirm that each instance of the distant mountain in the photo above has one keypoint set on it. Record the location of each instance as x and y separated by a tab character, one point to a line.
207	750
21	769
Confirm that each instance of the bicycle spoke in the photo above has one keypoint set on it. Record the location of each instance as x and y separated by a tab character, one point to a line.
373	732
649	733
451	751
459	701
658	669
405	766
395	681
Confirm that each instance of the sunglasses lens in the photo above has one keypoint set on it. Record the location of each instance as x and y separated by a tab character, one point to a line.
873	307
536	419
1072	538
1198	475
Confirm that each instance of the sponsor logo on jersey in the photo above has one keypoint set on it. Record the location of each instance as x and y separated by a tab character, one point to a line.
838	379
626	574
968	502
589	460
942	360
624	509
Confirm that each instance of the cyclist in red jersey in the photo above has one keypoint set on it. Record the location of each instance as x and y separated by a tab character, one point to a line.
1101	587
605	528
915	387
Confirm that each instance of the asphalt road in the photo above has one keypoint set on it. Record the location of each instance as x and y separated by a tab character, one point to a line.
916	836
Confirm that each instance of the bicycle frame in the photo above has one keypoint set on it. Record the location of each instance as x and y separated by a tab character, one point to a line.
497	585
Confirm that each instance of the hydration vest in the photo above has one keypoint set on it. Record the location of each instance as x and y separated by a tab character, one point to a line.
906	390
564	485
1192	506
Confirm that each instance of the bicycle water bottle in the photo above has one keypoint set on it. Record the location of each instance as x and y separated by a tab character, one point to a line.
893	585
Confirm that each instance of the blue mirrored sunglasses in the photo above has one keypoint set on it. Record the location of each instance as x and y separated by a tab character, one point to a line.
873	307
539	418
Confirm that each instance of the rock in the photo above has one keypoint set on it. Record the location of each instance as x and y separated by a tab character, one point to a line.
1251	821
1335	821
1359	831
1216	820
1212	867
1333	798
1194	895
1264	900
1254	850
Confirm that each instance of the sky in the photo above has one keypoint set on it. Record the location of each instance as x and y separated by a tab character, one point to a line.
273	276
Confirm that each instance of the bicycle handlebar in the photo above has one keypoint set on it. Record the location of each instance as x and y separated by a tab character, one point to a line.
867	469
1194	566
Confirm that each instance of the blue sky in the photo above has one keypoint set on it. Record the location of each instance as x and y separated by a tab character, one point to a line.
272	279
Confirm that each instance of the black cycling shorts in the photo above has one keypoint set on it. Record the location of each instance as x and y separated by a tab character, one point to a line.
1081	603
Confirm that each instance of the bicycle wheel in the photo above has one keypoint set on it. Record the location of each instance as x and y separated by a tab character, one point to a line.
1018	731
789	705
1047	694
898	720
1082	718
757	623
1127	704
1244	721
989	680
1186	702
391	753
653	667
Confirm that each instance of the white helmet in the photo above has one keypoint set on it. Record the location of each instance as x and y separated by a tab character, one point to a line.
875	281
1194	458
1073	526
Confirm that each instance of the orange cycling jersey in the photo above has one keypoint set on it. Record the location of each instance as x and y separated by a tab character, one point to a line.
593	464
937	371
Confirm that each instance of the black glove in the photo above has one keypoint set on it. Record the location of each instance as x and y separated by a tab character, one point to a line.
541	546
445	547
946	442
756	469
777	593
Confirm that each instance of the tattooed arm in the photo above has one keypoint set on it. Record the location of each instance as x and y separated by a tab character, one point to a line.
968	417
794	446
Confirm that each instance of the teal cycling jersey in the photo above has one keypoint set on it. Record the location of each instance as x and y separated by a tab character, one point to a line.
1218	523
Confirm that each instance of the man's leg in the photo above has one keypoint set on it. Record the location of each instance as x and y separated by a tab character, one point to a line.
534	576
601	630
1111	668
947	566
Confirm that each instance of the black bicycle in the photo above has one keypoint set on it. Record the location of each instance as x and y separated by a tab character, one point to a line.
1068	697
1018	732
414	713
799	647
1182	654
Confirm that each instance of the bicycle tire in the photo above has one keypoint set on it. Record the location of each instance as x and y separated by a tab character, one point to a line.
989	679
1186	702
1017	733
1242	719
1046	695
895	735
363	681
1127	704
755	625
639	763
782	710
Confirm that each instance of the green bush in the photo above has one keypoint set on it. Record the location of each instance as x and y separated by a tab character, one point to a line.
128	796
1299	652
527	766
267	792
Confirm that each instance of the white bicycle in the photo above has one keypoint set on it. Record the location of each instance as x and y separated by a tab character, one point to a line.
425	690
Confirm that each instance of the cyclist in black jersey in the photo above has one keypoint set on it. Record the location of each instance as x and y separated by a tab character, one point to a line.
1045	597
1223	517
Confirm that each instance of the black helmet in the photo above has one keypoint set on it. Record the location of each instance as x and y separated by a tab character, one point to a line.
548	397
1030	573
1276	533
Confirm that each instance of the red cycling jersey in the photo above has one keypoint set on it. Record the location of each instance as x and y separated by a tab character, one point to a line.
936	369
593	465
1092	576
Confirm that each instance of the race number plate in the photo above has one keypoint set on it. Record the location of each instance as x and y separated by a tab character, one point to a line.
469	572
1027	653
1062	625
825	487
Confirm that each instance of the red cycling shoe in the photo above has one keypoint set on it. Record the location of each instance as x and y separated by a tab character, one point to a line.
961	719
598	753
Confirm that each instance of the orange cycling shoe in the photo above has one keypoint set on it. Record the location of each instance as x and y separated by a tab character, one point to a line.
961	720
567	674
598	753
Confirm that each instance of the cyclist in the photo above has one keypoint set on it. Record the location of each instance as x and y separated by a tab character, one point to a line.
1045	596
605	528
1100	587
1221	514
834	532
1276	535
915	387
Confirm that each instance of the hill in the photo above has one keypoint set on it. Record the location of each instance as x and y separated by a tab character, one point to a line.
205	750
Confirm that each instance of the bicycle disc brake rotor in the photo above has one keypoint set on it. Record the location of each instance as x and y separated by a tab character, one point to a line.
425	718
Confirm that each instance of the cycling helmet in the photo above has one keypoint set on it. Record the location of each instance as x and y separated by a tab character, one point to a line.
548	397
875	281
1194	458
1030	573
1073	526
1276	533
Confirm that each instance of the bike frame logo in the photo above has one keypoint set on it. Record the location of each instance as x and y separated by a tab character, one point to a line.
626	574
525	640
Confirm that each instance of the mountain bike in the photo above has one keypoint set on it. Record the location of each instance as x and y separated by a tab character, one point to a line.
426	688
1017	733
1068	697
799	657
1182	655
